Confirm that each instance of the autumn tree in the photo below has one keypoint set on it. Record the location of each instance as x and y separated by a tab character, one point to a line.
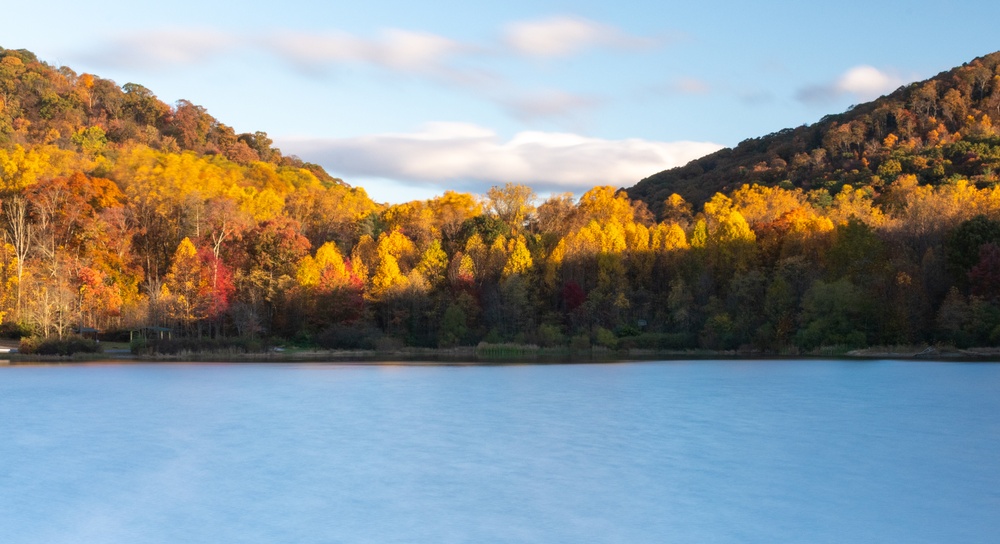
197	287
512	204
18	232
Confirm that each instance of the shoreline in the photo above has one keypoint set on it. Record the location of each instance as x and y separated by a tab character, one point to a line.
512	354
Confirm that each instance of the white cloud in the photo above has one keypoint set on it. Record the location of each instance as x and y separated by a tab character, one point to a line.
470	157
867	82
564	35
394	49
860	82
164	47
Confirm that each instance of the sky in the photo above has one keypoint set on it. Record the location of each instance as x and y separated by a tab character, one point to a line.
410	99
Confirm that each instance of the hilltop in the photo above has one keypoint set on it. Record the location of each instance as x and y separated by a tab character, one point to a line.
939	129
41	104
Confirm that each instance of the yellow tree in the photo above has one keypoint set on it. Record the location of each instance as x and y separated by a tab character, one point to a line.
759	204
450	211
325	271
604	205
187	288
433	265
400	246
415	219
664	237
677	210
512	204
331	264
389	276
487	260
519	259
855	203
730	241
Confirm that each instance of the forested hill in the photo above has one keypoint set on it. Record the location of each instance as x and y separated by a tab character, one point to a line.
119	213
938	129
41	104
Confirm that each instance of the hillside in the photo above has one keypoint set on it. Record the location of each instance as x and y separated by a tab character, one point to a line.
938	129
41	104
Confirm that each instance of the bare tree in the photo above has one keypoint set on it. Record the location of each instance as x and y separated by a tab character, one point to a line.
18	231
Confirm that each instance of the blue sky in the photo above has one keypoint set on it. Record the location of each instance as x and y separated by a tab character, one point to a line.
409	99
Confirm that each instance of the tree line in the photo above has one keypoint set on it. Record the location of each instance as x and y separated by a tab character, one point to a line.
200	246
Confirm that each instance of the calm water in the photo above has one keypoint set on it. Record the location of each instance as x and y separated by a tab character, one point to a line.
695	452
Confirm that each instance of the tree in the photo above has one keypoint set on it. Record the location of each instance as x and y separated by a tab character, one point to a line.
223	220
265	264
388	276
325	272
190	125
512	204
965	243
833	314
99	300
676	210
519	259
260	144
450	211
187	287
142	106
605	205
18	231
433	263
984	277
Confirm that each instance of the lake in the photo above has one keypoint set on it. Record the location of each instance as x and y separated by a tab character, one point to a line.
652	452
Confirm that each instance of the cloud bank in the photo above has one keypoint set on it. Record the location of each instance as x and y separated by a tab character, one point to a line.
466	65
563	36
469	157
392	49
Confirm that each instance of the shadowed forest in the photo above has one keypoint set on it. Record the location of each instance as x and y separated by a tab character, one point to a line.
121	213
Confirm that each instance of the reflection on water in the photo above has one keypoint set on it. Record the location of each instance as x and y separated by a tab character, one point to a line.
702	451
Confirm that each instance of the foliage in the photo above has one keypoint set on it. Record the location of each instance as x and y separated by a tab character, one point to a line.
119	212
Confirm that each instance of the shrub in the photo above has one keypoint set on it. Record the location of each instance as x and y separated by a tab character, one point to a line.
605	338
549	335
15	331
58	346
580	342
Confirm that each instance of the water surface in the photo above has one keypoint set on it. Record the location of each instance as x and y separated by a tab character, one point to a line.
707	451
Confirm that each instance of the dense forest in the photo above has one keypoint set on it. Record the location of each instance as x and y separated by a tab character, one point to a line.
874	227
